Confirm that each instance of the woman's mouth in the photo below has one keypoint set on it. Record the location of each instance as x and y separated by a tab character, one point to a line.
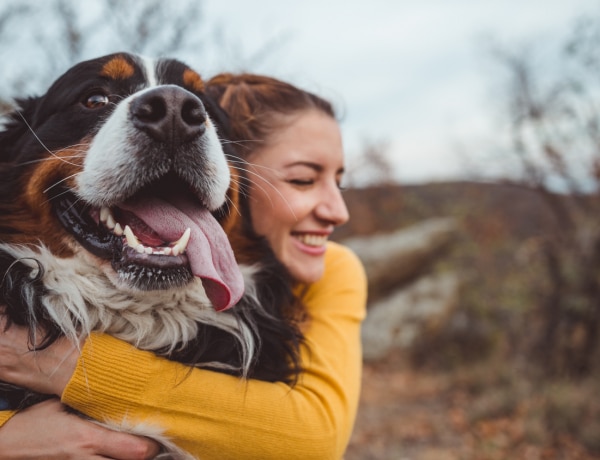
311	239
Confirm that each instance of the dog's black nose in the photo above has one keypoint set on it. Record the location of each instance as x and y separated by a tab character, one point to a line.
169	114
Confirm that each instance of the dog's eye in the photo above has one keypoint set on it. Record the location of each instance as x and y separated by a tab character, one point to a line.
96	101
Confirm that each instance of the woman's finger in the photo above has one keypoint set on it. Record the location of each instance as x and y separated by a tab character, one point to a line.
125	446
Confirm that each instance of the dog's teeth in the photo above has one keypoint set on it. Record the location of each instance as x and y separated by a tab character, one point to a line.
110	222
104	213
118	230
181	244
132	240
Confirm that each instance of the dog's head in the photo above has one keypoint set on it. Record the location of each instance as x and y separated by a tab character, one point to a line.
121	161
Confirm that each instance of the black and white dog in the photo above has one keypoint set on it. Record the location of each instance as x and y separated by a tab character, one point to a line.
116	202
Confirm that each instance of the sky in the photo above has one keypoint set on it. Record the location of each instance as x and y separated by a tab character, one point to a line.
412	75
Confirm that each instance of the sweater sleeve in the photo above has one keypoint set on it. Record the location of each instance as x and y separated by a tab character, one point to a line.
5	415
213	415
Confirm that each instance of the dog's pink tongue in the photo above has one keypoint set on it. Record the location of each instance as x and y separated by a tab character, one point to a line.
210	255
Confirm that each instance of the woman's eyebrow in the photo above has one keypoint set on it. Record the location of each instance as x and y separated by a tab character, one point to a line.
317	167
309	164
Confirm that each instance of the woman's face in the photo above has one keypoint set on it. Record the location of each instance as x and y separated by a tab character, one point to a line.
295	199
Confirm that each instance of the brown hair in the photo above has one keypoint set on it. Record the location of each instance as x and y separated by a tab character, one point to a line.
256	107
255	102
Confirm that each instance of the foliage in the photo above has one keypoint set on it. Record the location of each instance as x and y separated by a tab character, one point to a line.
554	134
505	406
518	363
482	411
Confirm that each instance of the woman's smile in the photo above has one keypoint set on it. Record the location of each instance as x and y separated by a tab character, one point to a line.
296	199
311	243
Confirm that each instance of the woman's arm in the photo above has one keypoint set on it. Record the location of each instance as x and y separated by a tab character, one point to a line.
213	415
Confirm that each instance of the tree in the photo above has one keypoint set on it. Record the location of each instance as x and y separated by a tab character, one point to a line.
371	167
55	34
39	40
554	134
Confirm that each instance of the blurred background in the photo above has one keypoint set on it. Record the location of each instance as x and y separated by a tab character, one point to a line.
472	131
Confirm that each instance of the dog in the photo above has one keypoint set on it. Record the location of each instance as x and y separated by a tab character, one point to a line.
122	212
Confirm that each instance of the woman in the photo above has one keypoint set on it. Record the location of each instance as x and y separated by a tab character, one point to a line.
292	145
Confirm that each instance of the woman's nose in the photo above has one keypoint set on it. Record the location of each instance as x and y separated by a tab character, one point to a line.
332	207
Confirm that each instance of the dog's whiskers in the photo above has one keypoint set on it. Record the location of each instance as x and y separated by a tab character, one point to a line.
232	203
236	160
38	139
45	159
239	142
72	204
59	195
264	179
240	186
57	183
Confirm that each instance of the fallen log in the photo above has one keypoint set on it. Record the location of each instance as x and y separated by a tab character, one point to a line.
396	259
397	320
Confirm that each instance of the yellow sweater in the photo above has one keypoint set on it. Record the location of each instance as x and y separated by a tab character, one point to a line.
216	416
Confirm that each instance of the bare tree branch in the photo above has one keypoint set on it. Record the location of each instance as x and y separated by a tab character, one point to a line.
554	127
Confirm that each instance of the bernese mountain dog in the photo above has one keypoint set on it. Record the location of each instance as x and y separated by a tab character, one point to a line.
122	212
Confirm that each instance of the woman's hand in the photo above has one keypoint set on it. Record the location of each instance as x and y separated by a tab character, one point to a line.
47	431
45	371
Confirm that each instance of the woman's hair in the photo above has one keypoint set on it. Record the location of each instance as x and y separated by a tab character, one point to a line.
255	105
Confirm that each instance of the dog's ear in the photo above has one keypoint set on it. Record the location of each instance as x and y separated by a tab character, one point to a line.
228	214
14	125
219	117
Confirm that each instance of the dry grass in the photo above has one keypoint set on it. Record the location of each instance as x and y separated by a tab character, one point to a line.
483	411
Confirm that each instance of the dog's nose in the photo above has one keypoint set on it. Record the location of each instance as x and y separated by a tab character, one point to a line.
169	114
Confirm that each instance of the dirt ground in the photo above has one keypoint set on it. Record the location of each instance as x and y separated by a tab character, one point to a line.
409	415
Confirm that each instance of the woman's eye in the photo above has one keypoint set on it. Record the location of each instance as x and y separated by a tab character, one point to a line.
96	101
301	182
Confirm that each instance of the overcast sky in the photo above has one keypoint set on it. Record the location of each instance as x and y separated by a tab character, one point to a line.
411	73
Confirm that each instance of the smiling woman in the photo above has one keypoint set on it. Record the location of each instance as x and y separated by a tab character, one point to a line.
296	191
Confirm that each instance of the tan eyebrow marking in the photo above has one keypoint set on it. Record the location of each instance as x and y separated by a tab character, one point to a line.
193	80
117	69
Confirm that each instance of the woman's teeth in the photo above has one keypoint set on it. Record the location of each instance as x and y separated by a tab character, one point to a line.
172	249
311	239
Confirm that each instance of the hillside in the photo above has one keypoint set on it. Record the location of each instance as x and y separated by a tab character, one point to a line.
468	389
517	210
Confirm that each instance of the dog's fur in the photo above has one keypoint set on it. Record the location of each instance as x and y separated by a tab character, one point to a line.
93	141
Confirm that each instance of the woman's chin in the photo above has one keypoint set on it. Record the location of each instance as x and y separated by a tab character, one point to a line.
307	272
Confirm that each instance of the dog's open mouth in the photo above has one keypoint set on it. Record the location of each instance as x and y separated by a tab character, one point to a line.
157	242
144	240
